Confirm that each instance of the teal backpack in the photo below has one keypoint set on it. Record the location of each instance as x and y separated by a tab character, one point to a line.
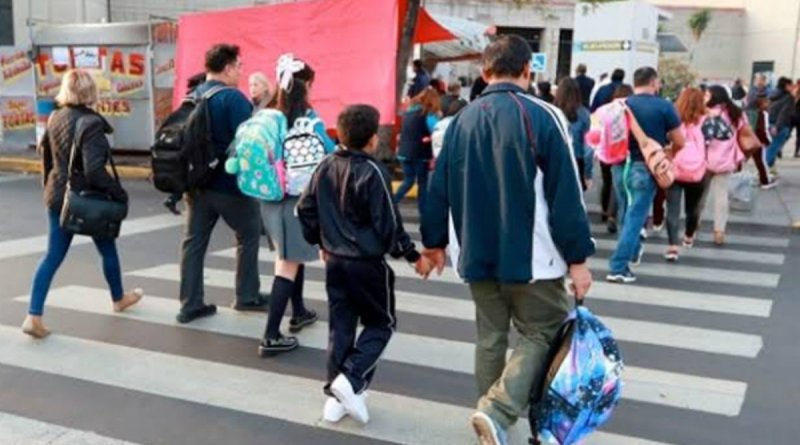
256	156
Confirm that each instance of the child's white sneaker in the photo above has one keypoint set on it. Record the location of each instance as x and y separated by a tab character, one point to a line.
333	410
353	403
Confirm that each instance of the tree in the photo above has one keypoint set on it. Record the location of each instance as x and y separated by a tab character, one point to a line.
675	75
698	23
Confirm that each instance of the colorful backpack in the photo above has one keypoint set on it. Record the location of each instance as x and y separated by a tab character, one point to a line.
583	384
724	154
256	158
609	132
303	150
690	162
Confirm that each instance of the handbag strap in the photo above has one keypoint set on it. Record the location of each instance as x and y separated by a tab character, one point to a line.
77	143
526	122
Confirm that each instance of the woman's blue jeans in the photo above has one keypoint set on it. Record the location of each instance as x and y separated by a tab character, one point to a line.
414	171
57	247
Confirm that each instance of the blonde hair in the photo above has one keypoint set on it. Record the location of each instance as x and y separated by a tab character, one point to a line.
77	88
260	77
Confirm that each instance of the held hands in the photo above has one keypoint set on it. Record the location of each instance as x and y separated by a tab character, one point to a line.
437	257
581	279
423	267
323	256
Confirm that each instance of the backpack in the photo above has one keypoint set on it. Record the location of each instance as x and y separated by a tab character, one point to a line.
609	133
183	156
723	148
583	383
690	162
303	150
256	156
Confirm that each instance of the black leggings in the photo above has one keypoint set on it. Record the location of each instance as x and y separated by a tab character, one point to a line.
693	206
607	200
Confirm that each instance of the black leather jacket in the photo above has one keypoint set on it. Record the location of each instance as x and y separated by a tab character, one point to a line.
347	209
90	162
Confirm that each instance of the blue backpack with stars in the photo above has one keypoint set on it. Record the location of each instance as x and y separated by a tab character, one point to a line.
583	383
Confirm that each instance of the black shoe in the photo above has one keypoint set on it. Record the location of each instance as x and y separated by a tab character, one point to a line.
172	206
275	346
261	304
188	317
296	324
611	226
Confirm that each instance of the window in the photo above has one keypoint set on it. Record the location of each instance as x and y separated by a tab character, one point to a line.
564	53
6	23
532	35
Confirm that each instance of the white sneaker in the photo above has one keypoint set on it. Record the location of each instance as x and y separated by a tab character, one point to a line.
353	403
333	410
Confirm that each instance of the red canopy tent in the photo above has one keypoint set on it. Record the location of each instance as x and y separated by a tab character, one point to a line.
351	44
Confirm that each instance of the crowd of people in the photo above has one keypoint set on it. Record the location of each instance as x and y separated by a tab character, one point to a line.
501	182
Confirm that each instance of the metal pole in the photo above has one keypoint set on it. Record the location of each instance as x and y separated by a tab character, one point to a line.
108	11
794	43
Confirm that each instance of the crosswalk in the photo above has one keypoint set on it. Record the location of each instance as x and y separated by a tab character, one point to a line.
438	344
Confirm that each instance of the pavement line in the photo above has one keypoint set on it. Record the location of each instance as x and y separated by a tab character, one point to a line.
707	217
38	244
708	253
634	331
394	418
25	431
710	395
760	241
707	274
14	178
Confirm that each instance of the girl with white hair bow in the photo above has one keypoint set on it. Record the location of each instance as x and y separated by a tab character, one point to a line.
295	79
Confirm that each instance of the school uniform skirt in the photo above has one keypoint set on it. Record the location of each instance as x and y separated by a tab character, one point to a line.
284	228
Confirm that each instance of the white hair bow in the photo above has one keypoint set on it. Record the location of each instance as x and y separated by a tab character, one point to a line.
287	67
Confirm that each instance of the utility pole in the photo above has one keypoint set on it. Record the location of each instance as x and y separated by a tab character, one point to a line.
795	43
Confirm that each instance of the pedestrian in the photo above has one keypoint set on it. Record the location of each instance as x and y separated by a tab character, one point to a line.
75	126
608	197
171	202
477	88
781	119
759	88
295	81
721	129
420	81
690	172
633	183
605	93
602	81
545	91
416	152
506	188
262	94
453	95
569	100
228	108
761	129
738	93
585	83
796	119
347	210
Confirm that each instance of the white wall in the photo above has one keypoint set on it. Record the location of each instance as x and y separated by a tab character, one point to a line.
61	11
771	34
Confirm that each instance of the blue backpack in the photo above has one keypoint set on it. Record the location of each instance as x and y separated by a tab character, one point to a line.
583	384
256	156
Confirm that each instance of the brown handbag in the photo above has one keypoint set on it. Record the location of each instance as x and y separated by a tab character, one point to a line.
747	139
659	164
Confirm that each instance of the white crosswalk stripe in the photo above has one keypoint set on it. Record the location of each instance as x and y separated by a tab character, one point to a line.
404	419
16	430
644	385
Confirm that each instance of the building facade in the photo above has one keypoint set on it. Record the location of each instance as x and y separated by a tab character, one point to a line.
744	35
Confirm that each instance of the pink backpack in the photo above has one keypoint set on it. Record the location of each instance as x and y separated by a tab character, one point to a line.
610	132
724	154
690	163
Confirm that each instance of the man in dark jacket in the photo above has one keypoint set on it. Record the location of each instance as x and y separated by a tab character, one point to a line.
228	108
506	199
348	211
420	81
605	94
781	118
585	83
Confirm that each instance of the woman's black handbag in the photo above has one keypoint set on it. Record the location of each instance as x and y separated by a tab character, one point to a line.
91	213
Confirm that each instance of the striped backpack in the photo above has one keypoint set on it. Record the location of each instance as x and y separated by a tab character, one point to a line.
256	156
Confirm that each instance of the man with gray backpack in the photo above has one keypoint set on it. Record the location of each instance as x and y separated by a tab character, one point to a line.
211	193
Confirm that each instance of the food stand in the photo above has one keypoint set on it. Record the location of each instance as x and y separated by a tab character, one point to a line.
17	101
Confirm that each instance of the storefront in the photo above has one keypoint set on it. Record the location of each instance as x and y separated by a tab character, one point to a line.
132	63
17	101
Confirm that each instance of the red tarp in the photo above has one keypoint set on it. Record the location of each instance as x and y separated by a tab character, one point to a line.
351	44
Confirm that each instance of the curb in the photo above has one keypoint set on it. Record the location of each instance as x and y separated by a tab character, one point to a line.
33	166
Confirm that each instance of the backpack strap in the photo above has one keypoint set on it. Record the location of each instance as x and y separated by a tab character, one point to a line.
214	90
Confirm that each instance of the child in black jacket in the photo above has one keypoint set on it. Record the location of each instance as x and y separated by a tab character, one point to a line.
347	209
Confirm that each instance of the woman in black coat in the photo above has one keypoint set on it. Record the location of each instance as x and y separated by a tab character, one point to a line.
75	119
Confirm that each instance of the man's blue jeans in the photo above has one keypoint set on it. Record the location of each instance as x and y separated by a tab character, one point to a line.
777	144
635	189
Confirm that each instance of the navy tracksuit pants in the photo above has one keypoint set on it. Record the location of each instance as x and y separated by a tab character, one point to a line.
358	290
